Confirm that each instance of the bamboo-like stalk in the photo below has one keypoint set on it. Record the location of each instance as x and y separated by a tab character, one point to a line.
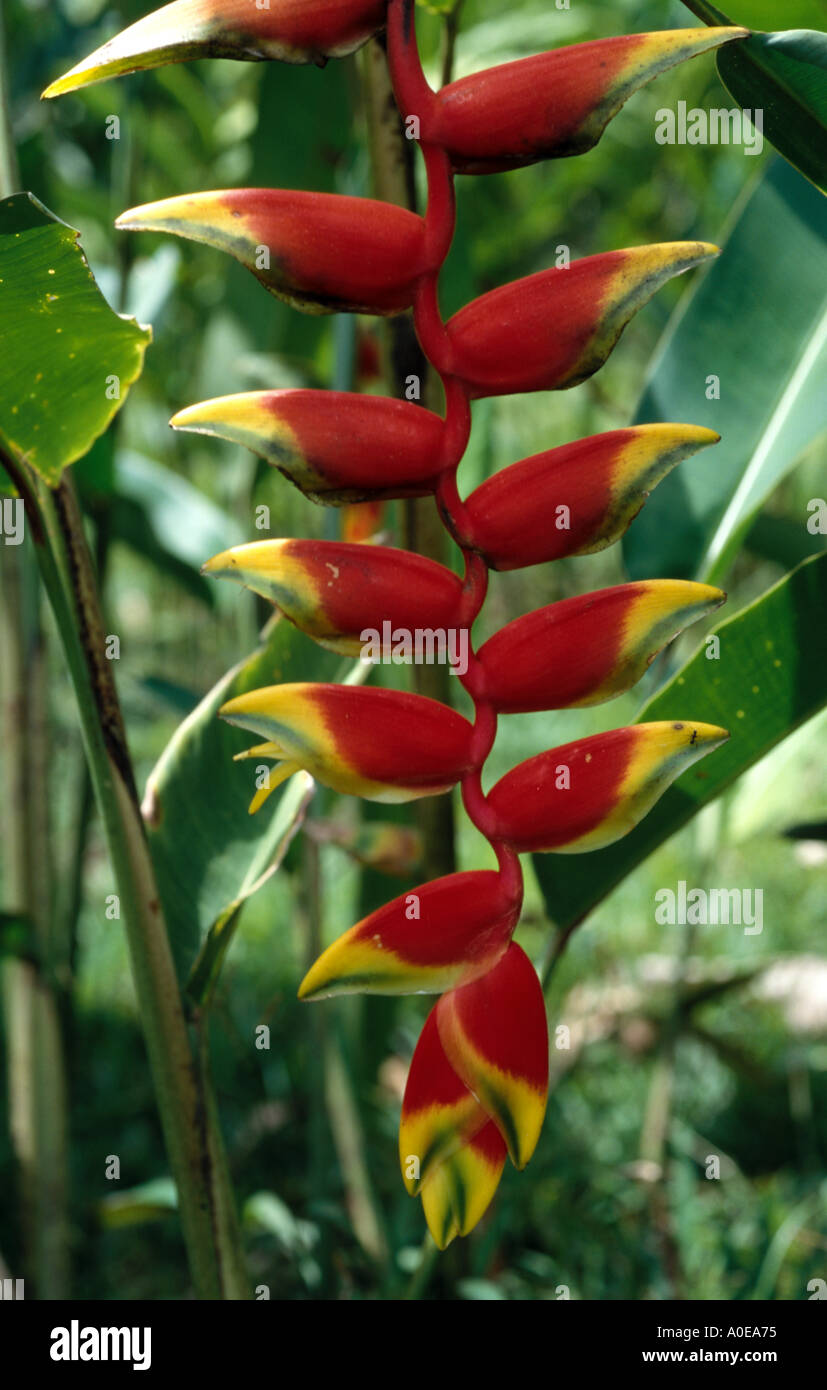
35	1052
189	1122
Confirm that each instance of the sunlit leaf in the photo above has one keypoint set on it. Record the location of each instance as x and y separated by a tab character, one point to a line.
68	359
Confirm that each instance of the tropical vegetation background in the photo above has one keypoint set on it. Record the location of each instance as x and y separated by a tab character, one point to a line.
682	1043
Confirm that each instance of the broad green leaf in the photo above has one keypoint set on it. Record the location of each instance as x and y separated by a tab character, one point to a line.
757	321
68	359
783	540
209	853
771	676
783	76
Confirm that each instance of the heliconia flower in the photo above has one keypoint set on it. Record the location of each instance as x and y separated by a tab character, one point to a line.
322	252
556	103
335	591
439	1113
293	30
495	1036
336	446
587	794
554	329
577	498
385	745
436	937
584	650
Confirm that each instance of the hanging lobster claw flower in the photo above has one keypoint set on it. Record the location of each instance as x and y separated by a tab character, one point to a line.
495	1036
321	252
439	1113
293	30
575	499
336	446
556	103
587	794
443	934
554	329
385	745
339	592
584	650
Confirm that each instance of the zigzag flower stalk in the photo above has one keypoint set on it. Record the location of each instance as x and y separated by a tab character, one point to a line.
476	1092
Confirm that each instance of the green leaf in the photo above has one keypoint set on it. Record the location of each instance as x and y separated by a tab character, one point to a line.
209	853
785	76
757	320
783	540
763	14
285	823
65	352
770	678
780	74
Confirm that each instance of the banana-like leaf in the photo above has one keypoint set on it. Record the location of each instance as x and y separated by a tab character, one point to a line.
783	75
757	324
770	677
68	359
209	853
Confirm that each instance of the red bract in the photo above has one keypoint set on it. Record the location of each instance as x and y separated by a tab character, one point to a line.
385	745
588	793
353	598
478	1079
585	650
575	499
440	935
335	446
320	251
293	30
554	329
553	104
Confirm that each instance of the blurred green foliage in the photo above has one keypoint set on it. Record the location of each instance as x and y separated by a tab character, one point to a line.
747	1057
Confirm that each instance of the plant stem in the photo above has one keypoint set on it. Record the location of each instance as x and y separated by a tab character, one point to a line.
36	1056
193	1142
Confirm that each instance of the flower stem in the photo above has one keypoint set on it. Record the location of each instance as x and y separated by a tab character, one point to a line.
393	181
